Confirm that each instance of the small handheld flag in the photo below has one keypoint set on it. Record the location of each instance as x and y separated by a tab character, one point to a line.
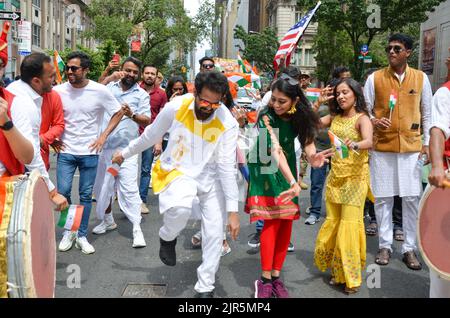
70	218
59	66
341	148
392	102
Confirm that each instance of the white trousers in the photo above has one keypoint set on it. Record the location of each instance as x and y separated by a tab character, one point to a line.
212	208
126	185
410	211
439	287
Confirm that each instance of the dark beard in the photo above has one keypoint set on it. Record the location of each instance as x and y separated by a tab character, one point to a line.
128	82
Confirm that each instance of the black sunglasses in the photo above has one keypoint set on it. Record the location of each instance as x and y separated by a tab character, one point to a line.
72	68
397	49
208	66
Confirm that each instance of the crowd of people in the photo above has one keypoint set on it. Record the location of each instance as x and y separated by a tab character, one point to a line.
201	156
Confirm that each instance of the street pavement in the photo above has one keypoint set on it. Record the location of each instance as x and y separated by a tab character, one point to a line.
114	269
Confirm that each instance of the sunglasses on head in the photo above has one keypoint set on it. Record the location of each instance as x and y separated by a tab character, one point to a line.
289	79
397	49
208	66
72	68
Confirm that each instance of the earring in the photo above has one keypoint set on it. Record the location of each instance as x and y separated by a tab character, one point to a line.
292	110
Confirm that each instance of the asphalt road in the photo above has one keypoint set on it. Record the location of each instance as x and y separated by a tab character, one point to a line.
114	269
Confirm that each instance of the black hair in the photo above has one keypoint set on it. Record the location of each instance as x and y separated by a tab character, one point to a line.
150	65
206	58
172	81
133	60
402	38
292	71
214	81
356	88
33	66
85	60
333	82
305	120
339	70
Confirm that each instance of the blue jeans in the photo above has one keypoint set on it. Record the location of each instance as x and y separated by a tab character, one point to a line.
87	165
146	169
318	177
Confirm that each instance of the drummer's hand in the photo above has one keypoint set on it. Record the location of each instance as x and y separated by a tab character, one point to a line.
59	201
437	177
233	225
118	158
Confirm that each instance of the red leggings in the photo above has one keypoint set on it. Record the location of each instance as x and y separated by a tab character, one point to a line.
275	238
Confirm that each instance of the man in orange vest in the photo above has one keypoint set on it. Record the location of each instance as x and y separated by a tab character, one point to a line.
399	101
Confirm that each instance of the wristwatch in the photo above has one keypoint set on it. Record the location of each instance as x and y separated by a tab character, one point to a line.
7	126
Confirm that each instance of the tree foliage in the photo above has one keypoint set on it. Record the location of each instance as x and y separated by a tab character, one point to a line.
351	16
163	25
259	48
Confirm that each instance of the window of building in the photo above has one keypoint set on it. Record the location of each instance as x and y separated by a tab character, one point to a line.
309	58
68	44
36	37
37	3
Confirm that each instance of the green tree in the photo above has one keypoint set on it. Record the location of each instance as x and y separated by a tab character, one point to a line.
163	25
352	16
259	48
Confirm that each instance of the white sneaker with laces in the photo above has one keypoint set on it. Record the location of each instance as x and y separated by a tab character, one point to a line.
83	244
138	238
67	241
107	224
144	208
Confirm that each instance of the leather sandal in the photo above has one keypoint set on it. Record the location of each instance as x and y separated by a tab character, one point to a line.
351	291
372	229
410	259
398	235
383	256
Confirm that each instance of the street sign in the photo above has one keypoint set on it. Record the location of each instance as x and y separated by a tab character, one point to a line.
10	15
24	37
364	48
367	59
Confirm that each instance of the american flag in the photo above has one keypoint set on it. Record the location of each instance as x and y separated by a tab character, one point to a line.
291	39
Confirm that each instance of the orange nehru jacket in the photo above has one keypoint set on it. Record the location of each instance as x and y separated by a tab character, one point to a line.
405	133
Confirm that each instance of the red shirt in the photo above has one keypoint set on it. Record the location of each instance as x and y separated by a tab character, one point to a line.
52	123
158	99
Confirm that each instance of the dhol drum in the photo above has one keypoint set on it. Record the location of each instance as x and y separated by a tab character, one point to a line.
27	237
434	229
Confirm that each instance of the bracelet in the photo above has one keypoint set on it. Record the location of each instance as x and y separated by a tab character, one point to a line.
292	182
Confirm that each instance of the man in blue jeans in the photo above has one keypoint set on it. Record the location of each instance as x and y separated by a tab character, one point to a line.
84	103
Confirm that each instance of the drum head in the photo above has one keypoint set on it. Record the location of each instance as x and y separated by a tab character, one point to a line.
434	230
43	245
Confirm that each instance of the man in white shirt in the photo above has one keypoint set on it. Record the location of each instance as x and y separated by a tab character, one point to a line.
199	161
85	103
37	75
399	100
123	85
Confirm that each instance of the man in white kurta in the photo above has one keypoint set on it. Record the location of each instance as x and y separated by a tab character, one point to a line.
128	92
199	161
440	132
394	162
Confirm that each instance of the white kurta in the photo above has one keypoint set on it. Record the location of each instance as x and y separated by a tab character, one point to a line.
396	173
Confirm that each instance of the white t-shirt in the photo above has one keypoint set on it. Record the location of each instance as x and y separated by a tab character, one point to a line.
440	112
84	109
21	120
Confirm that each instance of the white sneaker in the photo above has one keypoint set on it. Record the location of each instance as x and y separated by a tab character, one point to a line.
67	241
106	225
83	244
138	239
144	208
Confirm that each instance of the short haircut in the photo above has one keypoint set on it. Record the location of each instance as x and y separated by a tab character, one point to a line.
150	65
304	75
133	60
339	70
206	58
85	60
214	81
402	38
33	66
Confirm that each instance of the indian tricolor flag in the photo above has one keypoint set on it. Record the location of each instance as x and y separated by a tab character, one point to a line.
313	94
393	100
242	79
245	65
341	147
70	218
59	66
